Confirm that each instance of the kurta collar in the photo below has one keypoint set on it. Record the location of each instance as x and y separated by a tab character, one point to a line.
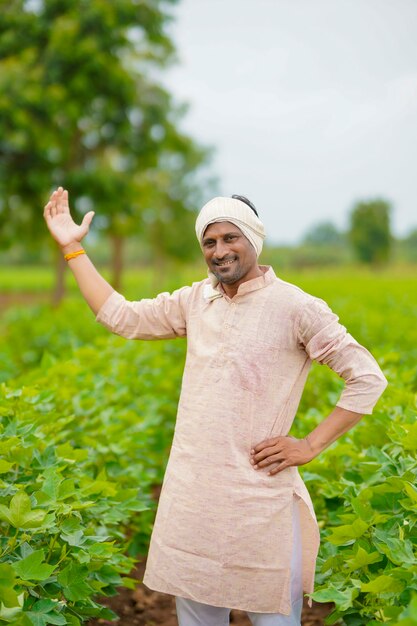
213	289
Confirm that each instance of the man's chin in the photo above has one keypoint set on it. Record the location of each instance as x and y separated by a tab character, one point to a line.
226	279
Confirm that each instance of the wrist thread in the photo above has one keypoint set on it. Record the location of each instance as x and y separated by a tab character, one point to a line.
72	255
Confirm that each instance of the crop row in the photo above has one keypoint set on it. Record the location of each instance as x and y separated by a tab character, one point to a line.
86	421
82	442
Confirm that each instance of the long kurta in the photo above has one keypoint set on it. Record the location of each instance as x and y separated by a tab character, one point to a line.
223	530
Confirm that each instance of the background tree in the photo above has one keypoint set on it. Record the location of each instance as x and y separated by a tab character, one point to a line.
409	244
370	233
79	108
322	234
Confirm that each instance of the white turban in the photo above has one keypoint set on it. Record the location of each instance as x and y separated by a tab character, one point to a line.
235	211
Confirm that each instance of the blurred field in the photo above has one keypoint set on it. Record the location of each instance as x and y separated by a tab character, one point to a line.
347	279
375	306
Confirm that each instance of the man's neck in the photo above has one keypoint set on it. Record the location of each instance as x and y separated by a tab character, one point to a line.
231	290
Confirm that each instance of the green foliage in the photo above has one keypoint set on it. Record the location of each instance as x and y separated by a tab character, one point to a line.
324	233
409	245
86	424
80	107
82	442
370	233
363	487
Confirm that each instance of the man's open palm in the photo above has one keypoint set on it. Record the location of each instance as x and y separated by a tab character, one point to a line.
59	221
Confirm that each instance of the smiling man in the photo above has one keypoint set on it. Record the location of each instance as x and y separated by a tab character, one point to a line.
235	526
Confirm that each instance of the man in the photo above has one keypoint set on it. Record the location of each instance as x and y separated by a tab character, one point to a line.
235	526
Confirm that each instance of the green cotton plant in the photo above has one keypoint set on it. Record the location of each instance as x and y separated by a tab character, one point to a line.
364	487
60	517
82	442
86	422
365	495
368	565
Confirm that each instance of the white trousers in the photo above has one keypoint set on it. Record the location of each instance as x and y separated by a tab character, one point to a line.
191	613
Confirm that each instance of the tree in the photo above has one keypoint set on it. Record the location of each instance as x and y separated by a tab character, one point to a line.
322	234
78	108
370	233
409	244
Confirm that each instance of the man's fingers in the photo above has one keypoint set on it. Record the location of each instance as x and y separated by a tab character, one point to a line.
266	443
62	200
88	218
53	210
270	459
87	221
266	452
47	210
261	445
47	213
256	458
280	467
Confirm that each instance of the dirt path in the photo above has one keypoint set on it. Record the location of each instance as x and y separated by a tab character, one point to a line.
20	298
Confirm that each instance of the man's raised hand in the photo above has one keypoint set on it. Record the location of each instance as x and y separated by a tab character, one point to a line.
59	221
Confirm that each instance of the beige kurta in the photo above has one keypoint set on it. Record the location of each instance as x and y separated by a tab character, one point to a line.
223	531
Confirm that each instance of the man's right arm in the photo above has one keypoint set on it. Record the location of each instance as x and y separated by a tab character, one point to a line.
93	286
162	317
68	235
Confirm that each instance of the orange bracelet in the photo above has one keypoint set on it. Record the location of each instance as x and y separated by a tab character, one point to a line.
72	255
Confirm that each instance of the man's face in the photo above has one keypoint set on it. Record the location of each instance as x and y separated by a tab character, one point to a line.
229	254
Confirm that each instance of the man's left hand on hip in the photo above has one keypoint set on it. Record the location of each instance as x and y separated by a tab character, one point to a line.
286	451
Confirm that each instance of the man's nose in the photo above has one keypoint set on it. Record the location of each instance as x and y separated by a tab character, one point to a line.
221	249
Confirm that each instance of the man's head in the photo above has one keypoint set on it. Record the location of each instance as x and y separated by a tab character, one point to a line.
231	237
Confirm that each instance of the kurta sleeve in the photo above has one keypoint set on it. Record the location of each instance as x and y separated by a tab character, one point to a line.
326	341
163	317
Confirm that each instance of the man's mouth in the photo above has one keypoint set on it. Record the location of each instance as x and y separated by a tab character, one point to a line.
224	263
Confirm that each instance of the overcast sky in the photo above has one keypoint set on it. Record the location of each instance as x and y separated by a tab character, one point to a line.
310	105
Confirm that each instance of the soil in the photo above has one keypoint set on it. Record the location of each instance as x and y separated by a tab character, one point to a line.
143	607
13	299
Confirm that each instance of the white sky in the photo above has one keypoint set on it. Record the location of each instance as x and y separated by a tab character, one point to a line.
311	105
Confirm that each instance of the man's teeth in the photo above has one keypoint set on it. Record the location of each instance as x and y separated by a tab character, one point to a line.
226	262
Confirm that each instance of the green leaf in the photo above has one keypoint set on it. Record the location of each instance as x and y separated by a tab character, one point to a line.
33	568
363	558
20	514
75	538
52	483
409	616
130	583
398	551
14	614
362	508
411	491
69	453
8	595
47	360
383	584
343	599
347	533
72	579
44	612
5	466
66	489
